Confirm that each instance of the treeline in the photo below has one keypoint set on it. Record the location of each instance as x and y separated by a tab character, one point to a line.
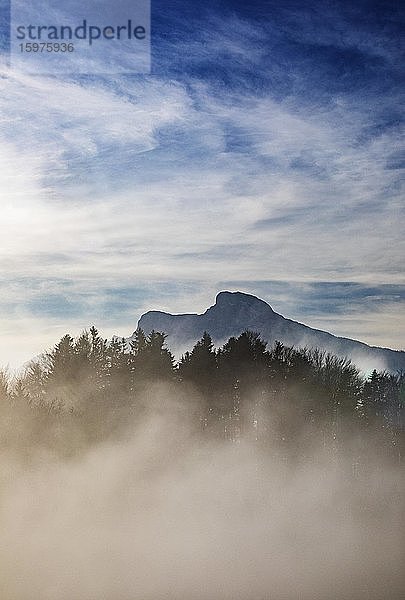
289	399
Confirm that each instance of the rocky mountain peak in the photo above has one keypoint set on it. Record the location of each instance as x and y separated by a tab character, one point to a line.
234	312
233	300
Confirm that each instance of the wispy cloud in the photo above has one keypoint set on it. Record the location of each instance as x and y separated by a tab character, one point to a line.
153	191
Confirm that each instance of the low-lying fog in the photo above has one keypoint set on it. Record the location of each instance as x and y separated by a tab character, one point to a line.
157	513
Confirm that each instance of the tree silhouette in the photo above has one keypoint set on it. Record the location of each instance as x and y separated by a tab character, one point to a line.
200	368
241	375
284	397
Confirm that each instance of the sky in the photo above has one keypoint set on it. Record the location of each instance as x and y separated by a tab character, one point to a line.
262	153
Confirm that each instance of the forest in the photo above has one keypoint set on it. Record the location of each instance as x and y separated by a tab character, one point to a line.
241	472
284	399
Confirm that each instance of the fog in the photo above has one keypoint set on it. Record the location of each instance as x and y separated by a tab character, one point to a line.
161	512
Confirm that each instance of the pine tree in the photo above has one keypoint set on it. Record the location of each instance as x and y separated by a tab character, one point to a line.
200	368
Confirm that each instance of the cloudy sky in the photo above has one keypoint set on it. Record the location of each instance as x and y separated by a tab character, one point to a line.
262	154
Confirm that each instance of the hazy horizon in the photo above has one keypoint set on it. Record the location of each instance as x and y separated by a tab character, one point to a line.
60	331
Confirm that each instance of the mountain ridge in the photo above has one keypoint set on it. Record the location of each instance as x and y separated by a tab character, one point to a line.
234	312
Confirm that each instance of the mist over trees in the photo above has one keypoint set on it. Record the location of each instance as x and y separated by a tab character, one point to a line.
240	472
287	398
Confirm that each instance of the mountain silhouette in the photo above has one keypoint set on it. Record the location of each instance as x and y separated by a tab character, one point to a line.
234	312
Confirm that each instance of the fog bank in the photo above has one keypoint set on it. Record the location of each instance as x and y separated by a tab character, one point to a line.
158	513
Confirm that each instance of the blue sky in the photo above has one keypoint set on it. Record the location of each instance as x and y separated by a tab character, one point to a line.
263	153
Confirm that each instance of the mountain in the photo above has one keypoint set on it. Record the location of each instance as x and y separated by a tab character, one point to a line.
234	312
